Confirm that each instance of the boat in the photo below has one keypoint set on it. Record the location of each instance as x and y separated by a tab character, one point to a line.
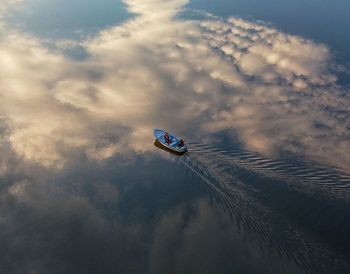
174	141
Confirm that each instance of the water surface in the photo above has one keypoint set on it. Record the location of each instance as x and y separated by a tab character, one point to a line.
265	185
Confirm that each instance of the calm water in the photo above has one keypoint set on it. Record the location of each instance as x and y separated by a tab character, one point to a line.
265	185
323	21
66	19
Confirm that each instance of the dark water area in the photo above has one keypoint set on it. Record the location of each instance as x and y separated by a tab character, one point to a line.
216	209
290	206
85	187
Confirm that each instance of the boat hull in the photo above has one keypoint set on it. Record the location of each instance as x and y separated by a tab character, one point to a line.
159	134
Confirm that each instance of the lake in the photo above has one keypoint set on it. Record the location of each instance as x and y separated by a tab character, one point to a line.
260	93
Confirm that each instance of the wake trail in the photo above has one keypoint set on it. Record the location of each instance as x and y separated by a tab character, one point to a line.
220	170
315	179
231	196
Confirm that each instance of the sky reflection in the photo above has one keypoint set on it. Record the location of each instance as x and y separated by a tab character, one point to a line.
66	19
76	121
296	17
278	91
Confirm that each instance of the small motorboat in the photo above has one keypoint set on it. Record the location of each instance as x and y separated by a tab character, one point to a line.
173	143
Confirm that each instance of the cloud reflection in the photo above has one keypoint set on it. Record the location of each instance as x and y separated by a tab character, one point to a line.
275	89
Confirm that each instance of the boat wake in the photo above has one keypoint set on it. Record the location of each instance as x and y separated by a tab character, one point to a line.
228	177
313	179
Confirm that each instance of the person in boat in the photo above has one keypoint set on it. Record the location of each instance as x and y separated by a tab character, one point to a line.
167	138
181	143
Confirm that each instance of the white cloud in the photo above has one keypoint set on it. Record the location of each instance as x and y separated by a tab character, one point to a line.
293	101
275	89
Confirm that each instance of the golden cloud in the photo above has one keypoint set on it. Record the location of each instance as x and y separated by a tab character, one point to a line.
274	89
